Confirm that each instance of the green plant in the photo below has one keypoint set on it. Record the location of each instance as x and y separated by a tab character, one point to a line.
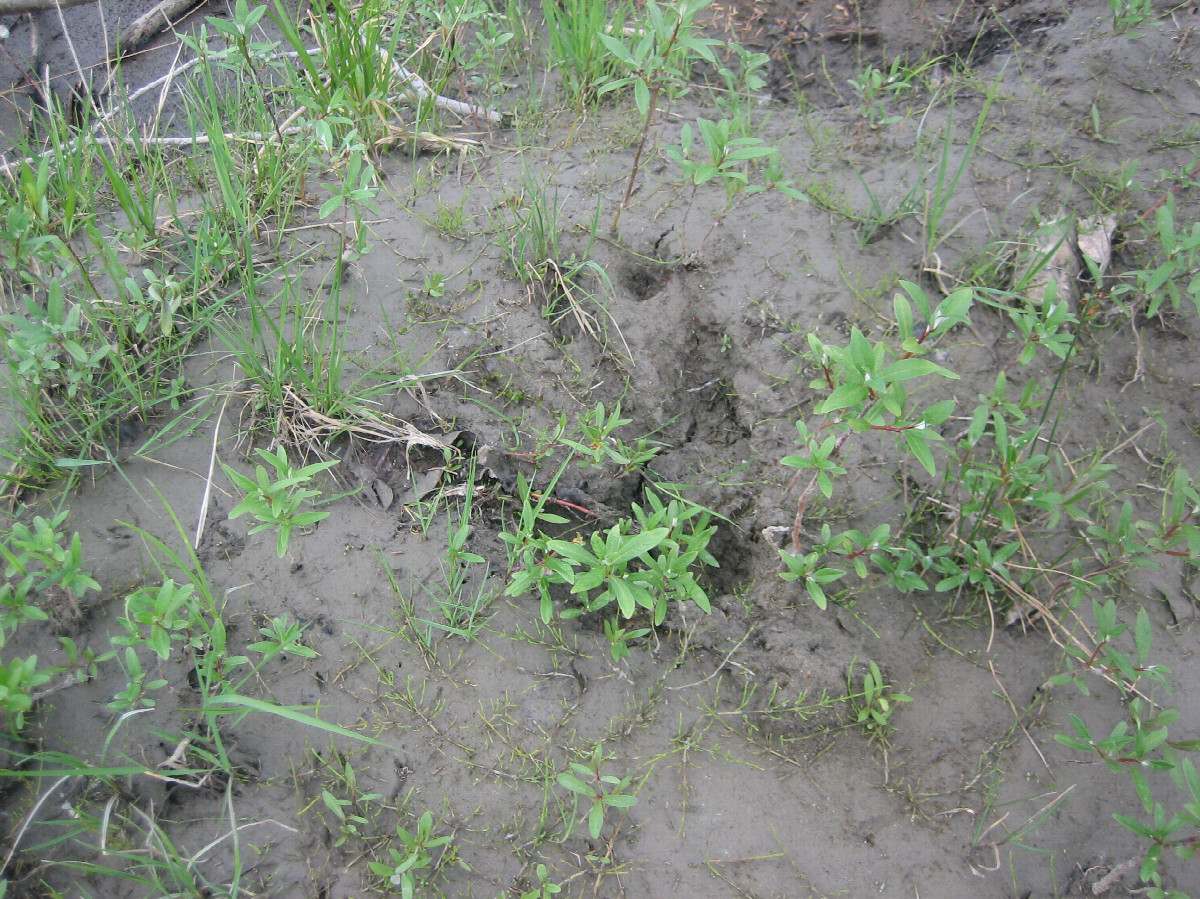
729	161
575	46
350	824
728	156
350	83
875	702
40	566
355	192
1129	14
600	791
295	357
643	568
450	220
808	569
139	200
45	567
188	614
598	445
154	617
1173	274
1048	324
412	864
937	195
465	38
558	279
275	500
880	215
874	88
248	54
434	285
659	60
742	83
464	610
352	815
544	889
50	352
157	305
1140	745
643	562
869	390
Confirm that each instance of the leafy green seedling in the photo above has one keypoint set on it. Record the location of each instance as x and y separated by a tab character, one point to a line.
545	889
1129	14
875	703
435	285
874	86
807	568
350	824
408	865
276	502
598	445
282	635
601	791
155	617
728	154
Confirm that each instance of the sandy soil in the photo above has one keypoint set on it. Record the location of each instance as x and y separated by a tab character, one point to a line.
752	777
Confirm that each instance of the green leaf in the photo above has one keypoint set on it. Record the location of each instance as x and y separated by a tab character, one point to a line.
629	596
328	207
1141	787
907	369
573	551
751	152
641	95
817	594
596	820
861	352
617	49
938	413
953	310
1133	825
904	317
1142	636
574	784
291	714
844	397
918	445
615	84
639	544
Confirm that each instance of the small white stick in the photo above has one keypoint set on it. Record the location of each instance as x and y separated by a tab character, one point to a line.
212	464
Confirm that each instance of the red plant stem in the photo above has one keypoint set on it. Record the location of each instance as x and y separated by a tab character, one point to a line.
655	89
637	157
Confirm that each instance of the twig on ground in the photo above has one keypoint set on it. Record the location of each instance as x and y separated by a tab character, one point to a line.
1105	883
12	7
423	140
212	464
422	90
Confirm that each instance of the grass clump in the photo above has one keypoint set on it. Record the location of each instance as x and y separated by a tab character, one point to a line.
577	49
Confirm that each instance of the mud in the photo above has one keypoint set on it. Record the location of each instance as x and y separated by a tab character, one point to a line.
752	778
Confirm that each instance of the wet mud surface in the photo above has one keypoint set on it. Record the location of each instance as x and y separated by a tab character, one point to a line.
752	775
